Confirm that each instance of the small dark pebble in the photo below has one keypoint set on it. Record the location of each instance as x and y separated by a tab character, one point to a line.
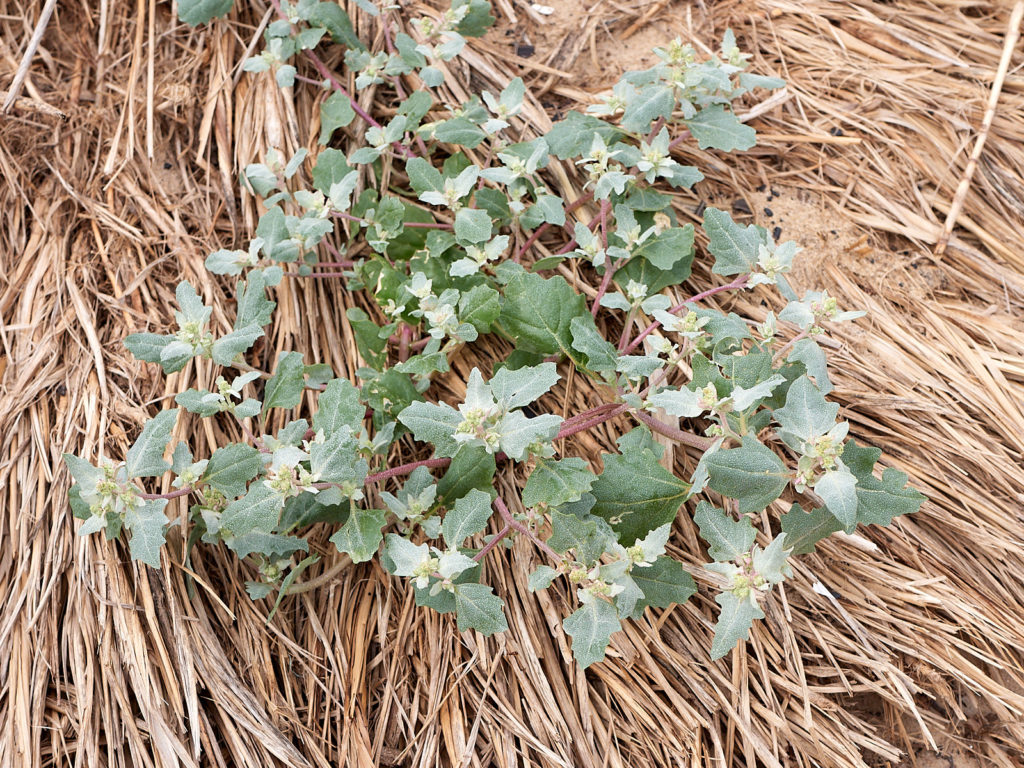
833	232
775	192
525	51
61	390
836	131
768	212
777	233
699	210
740	206
761	188
167	166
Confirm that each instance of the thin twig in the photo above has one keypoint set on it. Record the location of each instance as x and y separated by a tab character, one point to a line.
1012	35
26	60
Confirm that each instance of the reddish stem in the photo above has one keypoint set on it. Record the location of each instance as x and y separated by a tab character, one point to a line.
336	85
405	469
544	227
172	495
315	274
588	413
427	225
654	131
404	337
739	282
581	426
510	520
347	217
785	347
333	251
492	543
679	139
686	438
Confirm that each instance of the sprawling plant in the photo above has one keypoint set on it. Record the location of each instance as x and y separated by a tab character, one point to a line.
442	213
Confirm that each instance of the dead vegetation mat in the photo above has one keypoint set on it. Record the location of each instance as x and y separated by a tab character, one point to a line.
119	166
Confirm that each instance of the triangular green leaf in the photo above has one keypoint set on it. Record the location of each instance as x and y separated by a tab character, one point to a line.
805	529
471	467
734	622
807	414
664	582
727	538
337	407
467	518
558	482
259	510
477	607
146	456
146	523
591	628
735	248
716	128
879	501
538	314
636	494
232	467
360	536
433	423
284	388
752	475
521	386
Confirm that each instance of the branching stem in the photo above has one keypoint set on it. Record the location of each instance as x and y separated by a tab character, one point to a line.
739	282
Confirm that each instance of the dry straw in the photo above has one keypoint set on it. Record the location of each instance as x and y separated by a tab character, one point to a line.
917	646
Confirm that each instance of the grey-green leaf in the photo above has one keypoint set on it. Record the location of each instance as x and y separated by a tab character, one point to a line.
663	583
146	457
360	536
541	578
335	112
591	628
882	500
432	423
473	225
147	346
477	607
284	388
734	622
558	482
227	348
259	510
838	490
752	475
146	523
232	467
636	494
601	356
727	538
807	414
735	248
466	518
716	128
196	12
337	407
538	314
521	386
805	529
